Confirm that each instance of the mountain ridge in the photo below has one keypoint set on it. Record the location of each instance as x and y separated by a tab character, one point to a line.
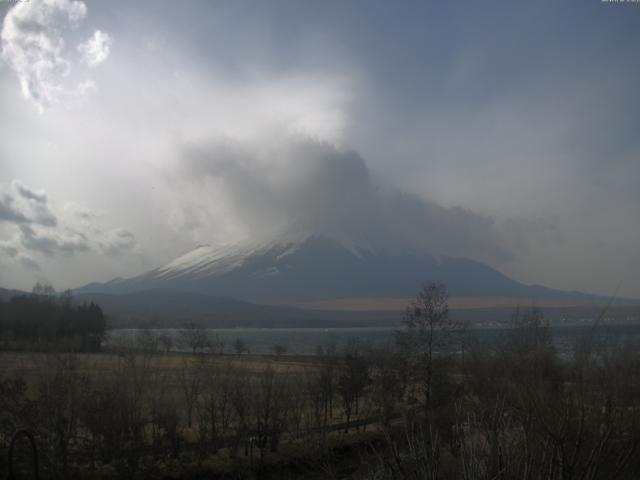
319	268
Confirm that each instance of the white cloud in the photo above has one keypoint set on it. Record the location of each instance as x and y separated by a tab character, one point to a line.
96	50
33	46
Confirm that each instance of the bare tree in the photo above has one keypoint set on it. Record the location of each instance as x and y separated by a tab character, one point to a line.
279	350
166	342
427	316
240	347
191	385
195	337
352	380
240	403
326	359
389	382
147	340
165	420
116	412
60	387
214	408
216	344
269	410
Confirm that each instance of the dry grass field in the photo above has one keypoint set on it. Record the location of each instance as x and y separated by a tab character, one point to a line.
172	395
167	370
484	302
105	363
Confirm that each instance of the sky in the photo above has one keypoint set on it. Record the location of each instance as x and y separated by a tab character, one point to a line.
506	132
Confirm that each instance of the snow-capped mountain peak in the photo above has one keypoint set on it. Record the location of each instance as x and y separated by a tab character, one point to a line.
292	269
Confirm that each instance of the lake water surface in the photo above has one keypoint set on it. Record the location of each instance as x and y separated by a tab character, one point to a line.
304	341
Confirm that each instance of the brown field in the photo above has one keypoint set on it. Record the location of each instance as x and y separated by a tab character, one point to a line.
145	414
101	365
167	375
399	304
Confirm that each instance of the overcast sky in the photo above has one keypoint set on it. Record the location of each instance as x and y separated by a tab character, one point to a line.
502	131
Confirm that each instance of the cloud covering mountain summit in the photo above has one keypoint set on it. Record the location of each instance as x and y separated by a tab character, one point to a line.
299	186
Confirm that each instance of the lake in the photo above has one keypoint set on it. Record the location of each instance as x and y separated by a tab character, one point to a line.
304	341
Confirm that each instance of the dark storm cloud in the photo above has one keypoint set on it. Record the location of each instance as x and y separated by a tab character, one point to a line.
306	187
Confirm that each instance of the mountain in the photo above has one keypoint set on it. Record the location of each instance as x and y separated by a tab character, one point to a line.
6	294
319	268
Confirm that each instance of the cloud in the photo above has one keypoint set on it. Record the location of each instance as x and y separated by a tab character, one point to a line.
30	194
24	260
34	47
22	205
28	262
117	242
302	186
36	205
66	241
96	50
8	249
39	228
9	212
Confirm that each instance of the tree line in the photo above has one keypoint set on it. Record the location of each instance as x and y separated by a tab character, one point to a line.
45	320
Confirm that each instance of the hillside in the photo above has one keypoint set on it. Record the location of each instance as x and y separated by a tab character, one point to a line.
320	268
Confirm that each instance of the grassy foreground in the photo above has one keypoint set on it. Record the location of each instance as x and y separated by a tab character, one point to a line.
517	412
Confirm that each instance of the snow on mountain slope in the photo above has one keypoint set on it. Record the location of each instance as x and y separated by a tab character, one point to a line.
207	260
204	259
318	267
